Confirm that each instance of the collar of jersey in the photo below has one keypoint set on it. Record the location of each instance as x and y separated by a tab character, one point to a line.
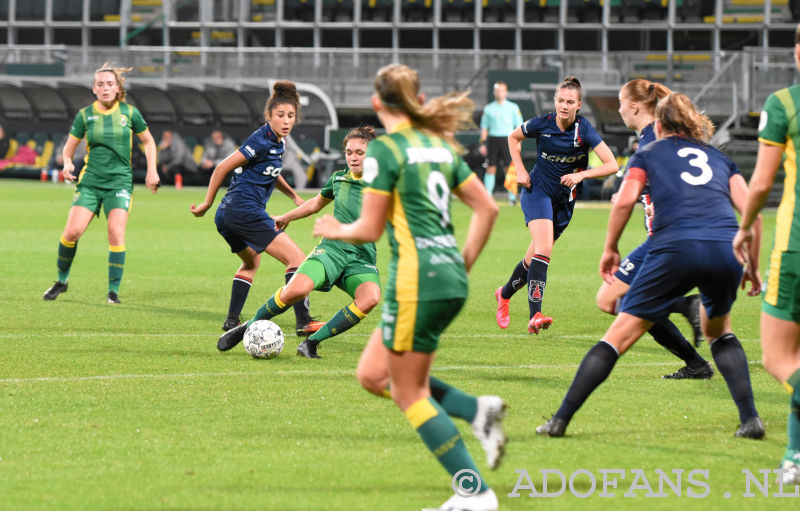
401	126
107	112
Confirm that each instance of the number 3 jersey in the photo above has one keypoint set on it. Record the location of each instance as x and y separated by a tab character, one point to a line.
689	186
252	184
418	172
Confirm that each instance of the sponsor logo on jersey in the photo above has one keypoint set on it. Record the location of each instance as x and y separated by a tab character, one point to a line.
92	118
762	121
319	251
125	194
369	169
536	291
563	159
576	140
428	155
441	241
249	150
123	120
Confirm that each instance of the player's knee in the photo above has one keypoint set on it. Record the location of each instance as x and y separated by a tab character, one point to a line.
605	303
371	380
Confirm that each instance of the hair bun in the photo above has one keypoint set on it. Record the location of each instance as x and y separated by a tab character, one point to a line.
284	88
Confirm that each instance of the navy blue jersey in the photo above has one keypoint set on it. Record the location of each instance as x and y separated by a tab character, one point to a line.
689	185
559	152
252	185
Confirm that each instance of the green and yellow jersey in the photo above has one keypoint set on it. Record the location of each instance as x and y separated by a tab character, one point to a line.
779	126
109	144
345	190
418	172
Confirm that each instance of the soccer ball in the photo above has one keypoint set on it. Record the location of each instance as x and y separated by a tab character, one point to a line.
263	339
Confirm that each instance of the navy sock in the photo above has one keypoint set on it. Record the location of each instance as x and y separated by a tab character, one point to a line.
537	280
667	335
594	369
301	313
732	364
517	280
239	290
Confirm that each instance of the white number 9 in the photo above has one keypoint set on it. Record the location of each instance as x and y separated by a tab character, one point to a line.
439	193
700	161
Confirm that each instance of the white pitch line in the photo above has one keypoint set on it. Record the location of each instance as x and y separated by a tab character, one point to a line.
108	377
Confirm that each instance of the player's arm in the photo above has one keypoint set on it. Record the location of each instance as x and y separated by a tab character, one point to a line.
234	160
485	211
67	154
288	191
608	167
515	148
368	227
307	208
627	198
151	178
750	249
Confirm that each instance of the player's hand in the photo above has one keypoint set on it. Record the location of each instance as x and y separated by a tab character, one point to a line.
740	244
152	181
281	222
67	171
751	275
609	262
328	227
200	210
298	201
570	180
523	178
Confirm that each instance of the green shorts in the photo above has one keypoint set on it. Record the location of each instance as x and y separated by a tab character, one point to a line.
781	298
342	269
416	326
92	198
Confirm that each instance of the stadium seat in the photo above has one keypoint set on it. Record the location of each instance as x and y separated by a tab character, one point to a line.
416	10
377	10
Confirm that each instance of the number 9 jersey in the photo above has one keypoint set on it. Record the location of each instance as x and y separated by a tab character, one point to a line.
418	172
252	184
689	187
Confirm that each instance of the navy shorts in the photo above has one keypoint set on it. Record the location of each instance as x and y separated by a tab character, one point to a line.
670	272
251	228
630	266
536	205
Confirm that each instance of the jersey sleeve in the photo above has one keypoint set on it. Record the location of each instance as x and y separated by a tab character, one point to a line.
773	124
327	190
531	127
636	169
137	121
381	166
485	118
78	129
590	135
253	146
463	172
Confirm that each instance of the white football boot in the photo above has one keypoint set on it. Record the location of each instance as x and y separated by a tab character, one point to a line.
487	427
486	501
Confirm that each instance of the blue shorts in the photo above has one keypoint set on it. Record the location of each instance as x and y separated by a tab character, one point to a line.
630	266
670	272
251	228
536	205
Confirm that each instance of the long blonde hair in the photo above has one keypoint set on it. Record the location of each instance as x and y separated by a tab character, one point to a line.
119	76
678	115
645	92
397	87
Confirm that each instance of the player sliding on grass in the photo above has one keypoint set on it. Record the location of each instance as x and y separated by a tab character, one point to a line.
411	173
351	267
637	105
693	185
241	217
563	142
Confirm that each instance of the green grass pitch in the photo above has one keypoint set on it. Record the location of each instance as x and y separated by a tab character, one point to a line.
132	407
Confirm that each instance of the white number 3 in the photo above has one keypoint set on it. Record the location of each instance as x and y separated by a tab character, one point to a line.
700	161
